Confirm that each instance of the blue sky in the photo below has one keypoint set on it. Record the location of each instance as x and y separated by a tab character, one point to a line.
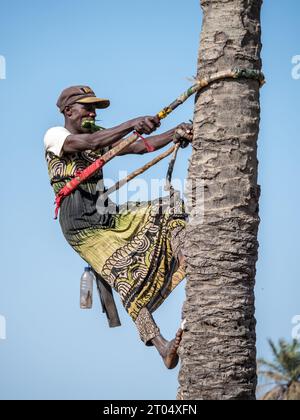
140	55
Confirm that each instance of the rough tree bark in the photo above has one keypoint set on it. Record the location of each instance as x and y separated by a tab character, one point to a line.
218	353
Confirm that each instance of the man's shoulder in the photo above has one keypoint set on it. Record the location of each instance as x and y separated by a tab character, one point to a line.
56	131
55	138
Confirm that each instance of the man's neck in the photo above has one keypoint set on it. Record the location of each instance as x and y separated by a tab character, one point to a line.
71	128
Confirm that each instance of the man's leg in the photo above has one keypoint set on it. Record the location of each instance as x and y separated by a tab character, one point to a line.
151	336
148	330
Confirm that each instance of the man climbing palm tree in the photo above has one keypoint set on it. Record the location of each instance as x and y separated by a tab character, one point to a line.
136	251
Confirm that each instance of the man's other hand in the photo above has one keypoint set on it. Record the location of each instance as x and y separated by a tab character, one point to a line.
183	134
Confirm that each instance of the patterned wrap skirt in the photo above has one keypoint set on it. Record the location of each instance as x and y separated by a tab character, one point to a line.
134	248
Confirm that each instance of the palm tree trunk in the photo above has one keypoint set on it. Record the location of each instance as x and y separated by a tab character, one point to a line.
218	353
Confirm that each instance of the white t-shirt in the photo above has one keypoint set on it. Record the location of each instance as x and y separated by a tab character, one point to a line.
54	140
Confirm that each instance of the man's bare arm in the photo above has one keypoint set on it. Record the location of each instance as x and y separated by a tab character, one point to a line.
184	130
157	142
107	137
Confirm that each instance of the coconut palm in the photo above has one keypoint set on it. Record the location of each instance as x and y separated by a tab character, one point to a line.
283	371
218	352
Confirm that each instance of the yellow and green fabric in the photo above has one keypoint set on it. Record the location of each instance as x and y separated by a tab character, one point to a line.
130	246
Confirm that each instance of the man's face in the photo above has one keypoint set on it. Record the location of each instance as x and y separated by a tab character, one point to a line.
77	113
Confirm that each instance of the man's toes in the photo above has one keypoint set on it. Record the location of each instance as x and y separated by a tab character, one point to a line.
179	333
177	343
178	337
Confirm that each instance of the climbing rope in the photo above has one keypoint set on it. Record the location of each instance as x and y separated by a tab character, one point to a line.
236	73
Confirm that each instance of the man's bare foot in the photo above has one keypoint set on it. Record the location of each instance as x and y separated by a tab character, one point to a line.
171	357
168	349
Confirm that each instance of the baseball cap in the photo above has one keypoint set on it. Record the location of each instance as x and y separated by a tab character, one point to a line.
82	95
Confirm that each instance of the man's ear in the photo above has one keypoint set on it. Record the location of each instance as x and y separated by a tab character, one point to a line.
68	111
